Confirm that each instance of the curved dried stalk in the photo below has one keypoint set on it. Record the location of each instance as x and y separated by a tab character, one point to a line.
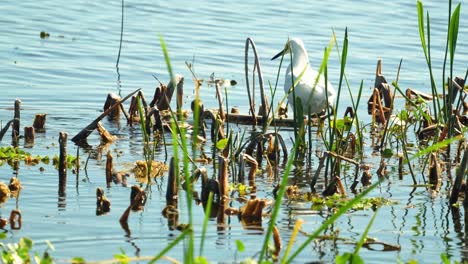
260	80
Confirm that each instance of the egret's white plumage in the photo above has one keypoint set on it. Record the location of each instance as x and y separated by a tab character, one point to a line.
312	95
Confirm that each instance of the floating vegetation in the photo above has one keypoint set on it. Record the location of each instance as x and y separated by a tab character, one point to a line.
4	192
140	169
336	201
70	161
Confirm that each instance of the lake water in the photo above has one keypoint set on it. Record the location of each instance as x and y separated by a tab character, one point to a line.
69	74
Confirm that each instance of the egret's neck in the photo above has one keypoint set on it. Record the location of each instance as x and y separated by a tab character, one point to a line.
299	61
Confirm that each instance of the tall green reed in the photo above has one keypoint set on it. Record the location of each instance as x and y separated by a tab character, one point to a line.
189	253
442	110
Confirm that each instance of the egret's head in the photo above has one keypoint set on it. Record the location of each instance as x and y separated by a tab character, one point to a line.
294	45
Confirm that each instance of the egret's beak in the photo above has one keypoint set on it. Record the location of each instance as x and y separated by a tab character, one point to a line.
281	53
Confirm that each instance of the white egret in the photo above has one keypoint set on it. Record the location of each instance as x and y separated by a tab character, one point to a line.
312	94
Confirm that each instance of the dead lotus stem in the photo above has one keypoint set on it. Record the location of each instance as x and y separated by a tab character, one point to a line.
5	128
253	168
277	241
29	136
137	204
319	168
223	177
172	191
220	100
112	99
378	102
460	174
164	101
109	168
340	186
39	122
400	166
84	133
241	173
62	163
124	218
381	172
106	137
102	202
15	219
263	97
343	158
16	124
434	170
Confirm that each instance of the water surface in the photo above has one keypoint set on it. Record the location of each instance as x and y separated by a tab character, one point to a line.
69	74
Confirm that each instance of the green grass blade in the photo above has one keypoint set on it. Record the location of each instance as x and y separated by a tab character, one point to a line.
170	246
279	198
364	235
342	68
435	147
205	221
166	58
331	220
421	27
174	125
452	42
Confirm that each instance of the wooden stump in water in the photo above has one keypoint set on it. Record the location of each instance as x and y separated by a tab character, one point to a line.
112	99
29	136
62	163
39	123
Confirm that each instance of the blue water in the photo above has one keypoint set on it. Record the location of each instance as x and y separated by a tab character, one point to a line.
69	74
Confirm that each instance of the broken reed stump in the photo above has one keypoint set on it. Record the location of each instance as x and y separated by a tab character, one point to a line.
171	209
223	177
111	100
172	191
109	168
16	123
253	168
106	137
137	198
39	123
85	132
134	201
103	204
166	94
224	192
28	136
15	219
62	163
180	96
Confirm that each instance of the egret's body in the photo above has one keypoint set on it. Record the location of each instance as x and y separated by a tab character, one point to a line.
312	94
